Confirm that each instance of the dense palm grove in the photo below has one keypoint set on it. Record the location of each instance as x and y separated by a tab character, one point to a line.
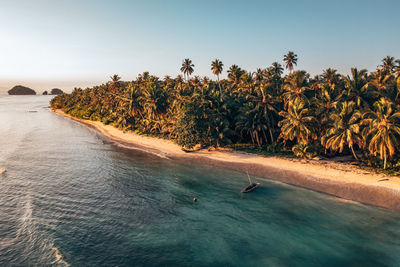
327	115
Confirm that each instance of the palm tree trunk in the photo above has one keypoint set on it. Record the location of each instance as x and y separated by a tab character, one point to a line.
252	138
265	136
272	136
354	154
384	161
258	139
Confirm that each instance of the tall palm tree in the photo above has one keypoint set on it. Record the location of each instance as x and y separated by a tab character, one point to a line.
273	74
297	123
217	67
290	60
383	132
187	68
343	129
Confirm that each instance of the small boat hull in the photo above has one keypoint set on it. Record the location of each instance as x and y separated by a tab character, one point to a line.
250	188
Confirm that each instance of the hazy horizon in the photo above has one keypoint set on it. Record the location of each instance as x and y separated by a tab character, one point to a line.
67	44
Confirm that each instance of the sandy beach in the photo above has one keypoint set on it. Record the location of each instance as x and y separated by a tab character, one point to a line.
338	179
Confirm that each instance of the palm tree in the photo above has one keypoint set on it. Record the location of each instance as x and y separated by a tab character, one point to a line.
383	132
273	74
295	87
154	99
388	64
297	123
397	68
324	103
187	68
167	79
277	69
234	74
217	67
115	80
290	60
331	77
259	75
381	83
344	128
355	85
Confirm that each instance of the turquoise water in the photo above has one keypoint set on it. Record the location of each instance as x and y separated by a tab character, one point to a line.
72	197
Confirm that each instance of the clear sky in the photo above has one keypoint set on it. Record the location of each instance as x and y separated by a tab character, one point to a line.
54	43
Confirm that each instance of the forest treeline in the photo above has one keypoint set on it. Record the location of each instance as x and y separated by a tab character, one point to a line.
327	115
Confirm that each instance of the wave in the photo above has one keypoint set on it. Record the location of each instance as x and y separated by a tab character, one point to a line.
32	238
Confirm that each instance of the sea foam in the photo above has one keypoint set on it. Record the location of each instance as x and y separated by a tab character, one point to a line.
59	257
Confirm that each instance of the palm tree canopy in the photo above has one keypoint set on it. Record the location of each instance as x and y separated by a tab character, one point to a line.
297	123
115	78
331	77
217	67
290	59
296	86
383	131
187	67
388	64
276	69
344	128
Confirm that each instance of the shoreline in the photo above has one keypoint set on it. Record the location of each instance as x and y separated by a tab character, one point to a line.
333	178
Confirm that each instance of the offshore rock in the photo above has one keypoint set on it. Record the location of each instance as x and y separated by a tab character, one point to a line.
21	90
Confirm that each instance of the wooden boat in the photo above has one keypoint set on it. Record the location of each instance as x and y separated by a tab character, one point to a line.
250	188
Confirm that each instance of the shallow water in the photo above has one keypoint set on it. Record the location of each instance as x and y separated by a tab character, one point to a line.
70	197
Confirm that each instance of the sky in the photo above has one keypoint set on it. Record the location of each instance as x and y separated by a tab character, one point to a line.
78	43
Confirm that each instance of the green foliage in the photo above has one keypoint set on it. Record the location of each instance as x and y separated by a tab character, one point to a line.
329	114
190	127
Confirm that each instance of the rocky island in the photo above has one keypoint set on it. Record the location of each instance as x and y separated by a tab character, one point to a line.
21	90
56	91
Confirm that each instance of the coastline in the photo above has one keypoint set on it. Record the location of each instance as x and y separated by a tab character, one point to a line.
337	179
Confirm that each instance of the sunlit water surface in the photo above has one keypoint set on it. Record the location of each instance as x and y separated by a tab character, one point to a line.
72	197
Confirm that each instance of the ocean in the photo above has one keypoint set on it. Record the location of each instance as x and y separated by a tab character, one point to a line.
71	197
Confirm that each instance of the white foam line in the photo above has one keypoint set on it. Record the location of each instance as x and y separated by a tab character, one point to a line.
59	257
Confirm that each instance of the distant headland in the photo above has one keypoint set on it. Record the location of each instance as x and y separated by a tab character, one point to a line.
21	90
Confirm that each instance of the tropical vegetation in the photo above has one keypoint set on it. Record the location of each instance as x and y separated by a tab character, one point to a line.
326	115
